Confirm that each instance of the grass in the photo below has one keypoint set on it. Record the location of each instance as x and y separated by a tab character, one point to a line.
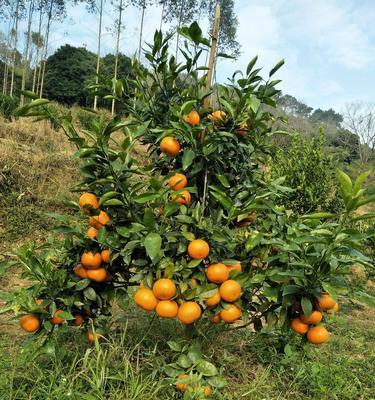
35	175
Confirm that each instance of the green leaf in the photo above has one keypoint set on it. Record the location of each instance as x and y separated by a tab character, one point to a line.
90	294
188	106
175	346
217	382
206	368
171	208
359	181
145	197
152	245
113	202
184	361
66	315
82	284
346	186
254	104
306	306
364	216
106	196
251	65
149	218
187	158
318	215
276	67
223	180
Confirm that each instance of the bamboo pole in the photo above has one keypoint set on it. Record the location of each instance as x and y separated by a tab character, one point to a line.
211	63
117	51
98	53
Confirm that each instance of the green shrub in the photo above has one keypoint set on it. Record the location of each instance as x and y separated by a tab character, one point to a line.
7	106
85	118
311	173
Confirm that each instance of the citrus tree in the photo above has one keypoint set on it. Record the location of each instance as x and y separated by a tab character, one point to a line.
194	233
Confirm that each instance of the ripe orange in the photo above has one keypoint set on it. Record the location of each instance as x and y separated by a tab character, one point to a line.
189	312
193	118
105	256
164	289
80	271
335	309
318	335
207	391
87	201
38	302
183	197
298	326
177	181
216	319
230	314
243	129
230	291
194	283
217	117
326	302
97	275
56	320
217	273
170	146
182	387
145	299
91	336
78	320
167	309
198	248
91	260
30	323
234	267
213	300
314	318
98	221
92	233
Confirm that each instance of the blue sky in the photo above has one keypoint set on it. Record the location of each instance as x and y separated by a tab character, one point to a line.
328	45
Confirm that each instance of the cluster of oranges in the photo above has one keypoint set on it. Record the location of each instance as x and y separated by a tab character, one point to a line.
316	334
91	262
160	297
184	382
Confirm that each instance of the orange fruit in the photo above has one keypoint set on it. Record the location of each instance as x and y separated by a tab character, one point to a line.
105	256
216	319
78	320
213	300
92	232
38	301
97	275
145	299
91	260
314	318
177	181
98	221
326	302
198	248
234	267
189	312
207	391
298	326
182	387
335	309
230	314
243	129
167	309
318	335
194	283
56	320
217	273
91	336
183	197
30	323
217	117
80	271
193	118
170	146
164	289
87	201
230	291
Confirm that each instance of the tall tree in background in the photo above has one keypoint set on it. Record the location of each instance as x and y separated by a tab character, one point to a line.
7	47
119	22
15	42
38	42
25	66
98	51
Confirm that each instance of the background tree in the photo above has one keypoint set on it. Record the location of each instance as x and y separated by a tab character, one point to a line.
328	116
359	118
100	10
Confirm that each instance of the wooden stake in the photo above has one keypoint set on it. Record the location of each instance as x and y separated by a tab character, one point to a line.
211	63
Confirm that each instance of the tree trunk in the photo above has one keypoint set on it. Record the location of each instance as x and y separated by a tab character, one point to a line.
6	65
98	54
44	61
141	31
14	50
27	48
36	68
117	50
162	15
178	26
